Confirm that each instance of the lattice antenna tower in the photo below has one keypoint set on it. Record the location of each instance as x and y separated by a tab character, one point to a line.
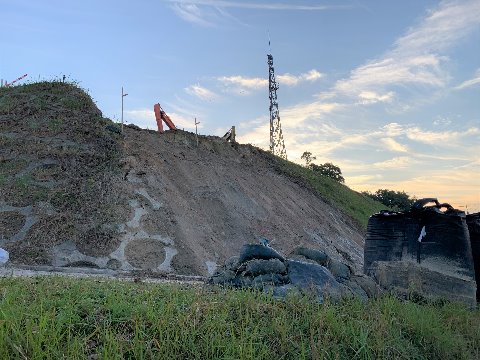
277	145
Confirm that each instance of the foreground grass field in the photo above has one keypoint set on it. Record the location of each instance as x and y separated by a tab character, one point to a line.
63	318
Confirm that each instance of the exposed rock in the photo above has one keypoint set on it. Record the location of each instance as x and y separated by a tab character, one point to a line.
405	277
314	277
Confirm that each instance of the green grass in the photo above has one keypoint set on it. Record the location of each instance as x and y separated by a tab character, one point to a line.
54	318
358	206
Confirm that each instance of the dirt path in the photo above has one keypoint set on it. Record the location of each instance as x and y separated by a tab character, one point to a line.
100	274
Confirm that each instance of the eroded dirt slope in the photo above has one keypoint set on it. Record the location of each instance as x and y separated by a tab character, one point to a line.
74	192
211	199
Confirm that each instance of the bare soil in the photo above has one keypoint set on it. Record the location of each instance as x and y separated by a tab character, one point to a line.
218	196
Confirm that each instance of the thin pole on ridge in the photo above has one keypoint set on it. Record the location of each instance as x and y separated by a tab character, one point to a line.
123	95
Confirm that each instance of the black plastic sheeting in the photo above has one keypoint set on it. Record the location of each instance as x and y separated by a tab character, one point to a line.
422	235
473	222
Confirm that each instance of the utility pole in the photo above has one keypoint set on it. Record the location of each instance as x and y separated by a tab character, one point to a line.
277	145
196	132
123	95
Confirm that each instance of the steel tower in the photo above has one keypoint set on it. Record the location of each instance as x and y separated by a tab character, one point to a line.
277	145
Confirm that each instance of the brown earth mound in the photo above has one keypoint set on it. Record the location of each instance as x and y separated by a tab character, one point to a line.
74	191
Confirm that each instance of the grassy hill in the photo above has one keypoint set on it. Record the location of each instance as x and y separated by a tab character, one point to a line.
58	164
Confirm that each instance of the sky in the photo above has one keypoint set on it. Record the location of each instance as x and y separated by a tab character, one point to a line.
386	90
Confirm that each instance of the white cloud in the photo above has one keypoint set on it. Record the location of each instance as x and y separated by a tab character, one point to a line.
471	82
201	92
312	75
392	129
441	29
371	97
145	118
442	121
242	85
192	13
395	163
182	121
292	80
258	5
393	145
416	62
244	82
440	138
209	13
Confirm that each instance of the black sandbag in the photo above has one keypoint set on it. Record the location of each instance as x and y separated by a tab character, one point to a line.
446	241
425	235
255	251
473	223
386	238
316	255
260	267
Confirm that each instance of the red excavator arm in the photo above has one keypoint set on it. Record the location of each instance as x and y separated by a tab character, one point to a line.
161	117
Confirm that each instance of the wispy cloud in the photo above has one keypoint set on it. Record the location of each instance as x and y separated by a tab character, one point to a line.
259	5
193	14
245	85
243	82
371	97
212	12
393	145
416	61
441	138
145	118
395	163
201	92
471	82
292	80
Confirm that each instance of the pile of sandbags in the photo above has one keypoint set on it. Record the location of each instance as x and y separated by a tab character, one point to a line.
306	271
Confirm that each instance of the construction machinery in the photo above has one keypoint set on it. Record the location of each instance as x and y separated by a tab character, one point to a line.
162	117
230	135
6	84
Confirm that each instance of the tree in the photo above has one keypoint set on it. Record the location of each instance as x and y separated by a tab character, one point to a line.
398	200
329	170
307	156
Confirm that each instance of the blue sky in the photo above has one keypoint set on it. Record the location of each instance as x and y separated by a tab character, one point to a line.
387	90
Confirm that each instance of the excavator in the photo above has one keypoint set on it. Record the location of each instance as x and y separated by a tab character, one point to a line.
161	117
